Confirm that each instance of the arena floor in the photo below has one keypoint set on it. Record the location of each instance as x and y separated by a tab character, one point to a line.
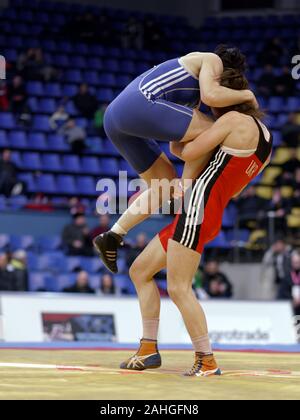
89	374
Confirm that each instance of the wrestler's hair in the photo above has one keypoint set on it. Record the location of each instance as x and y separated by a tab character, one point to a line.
235	79
232	57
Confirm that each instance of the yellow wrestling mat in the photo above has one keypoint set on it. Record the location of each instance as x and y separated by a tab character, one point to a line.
81	374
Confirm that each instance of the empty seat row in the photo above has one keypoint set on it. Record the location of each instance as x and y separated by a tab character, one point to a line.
69	163
60	184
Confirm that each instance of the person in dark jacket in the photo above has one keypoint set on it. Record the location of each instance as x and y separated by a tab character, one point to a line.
85	102
81	285
216	283
8	174
76	237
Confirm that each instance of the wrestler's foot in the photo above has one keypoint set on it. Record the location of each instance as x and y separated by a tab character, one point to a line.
147	357
205	365
107	246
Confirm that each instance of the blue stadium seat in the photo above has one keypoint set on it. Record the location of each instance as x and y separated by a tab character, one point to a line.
90	165
21	242
18	202
71	163
107	80
238	236
49	243
35	88
18	139
41	123
53	90
91	264
37	141
220	242
7	121
57	143
58	283
3	139
293	104
91	77
276	104
16	158
47	106
109	166
69	90
51	162
94	63
78	62
37	281
62	60
73	76
46	183
31	160
73	264
86	185
66	185
29	181
105	95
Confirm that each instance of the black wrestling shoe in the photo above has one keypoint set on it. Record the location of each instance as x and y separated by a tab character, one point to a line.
107	246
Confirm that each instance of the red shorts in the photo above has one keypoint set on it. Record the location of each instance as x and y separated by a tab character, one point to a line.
200	220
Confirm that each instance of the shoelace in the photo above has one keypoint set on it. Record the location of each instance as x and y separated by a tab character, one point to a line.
196	367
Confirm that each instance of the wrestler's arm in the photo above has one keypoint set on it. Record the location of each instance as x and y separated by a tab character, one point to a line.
208	141
212	93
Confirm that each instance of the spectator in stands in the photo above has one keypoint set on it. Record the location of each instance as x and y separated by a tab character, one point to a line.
75	136
272	52
251	208
17	97
107	285
136	249
85	102
9	184
76	206
285	84
132	36
59	118
280	207
4	104
267	82
289	170
279	257
33	66
295	276
104	226
291	131
75	237
18	265
216	283
81	285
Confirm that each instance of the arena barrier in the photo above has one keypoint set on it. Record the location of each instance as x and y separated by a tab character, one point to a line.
46	317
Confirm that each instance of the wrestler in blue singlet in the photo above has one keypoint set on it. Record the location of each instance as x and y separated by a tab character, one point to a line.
156	106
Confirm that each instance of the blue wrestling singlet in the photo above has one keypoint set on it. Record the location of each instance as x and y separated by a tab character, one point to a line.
156	106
